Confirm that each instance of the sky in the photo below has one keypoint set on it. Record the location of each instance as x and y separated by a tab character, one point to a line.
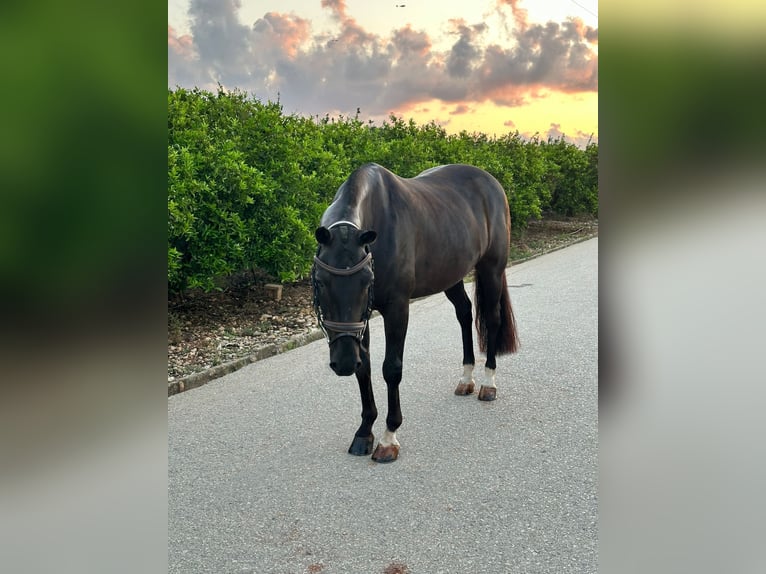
490	66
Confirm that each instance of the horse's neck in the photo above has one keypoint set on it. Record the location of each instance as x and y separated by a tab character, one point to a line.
350	204
342	209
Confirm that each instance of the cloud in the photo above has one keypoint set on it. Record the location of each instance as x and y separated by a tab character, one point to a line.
460	109
181	45
183	61
338	8
464	53
287	32
520	15
407	43
555	131
580	138
509	124
555	56
350	67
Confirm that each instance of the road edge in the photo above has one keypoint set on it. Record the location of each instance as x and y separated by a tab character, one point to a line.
203	377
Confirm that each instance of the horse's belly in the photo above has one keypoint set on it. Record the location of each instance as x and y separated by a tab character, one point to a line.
438	280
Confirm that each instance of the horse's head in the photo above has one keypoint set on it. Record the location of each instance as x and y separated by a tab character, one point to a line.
342	279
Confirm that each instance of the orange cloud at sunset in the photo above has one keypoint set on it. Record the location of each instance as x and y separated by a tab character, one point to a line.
181	45
288	32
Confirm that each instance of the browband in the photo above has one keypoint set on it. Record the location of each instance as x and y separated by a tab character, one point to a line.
351	223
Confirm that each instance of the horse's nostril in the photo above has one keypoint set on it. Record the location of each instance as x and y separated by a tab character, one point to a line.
358	366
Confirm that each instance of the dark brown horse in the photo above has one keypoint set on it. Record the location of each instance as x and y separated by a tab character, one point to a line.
385	240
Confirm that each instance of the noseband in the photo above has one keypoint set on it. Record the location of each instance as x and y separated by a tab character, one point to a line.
343	329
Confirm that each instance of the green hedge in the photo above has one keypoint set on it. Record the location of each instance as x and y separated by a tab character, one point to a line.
247	184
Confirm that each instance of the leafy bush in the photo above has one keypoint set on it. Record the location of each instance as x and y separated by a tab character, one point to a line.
573	178
247	184
238	193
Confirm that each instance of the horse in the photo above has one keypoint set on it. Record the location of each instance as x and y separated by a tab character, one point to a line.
385	240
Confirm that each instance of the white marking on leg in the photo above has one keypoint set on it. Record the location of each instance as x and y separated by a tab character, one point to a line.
388	439
467	375
489	377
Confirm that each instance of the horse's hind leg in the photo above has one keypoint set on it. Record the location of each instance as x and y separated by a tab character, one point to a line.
459	298
489	285
364	439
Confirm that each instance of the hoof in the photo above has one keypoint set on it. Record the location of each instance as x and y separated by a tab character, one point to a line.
487	393
386	453
464	389
361	445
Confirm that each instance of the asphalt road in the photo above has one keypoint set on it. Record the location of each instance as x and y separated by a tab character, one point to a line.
260	481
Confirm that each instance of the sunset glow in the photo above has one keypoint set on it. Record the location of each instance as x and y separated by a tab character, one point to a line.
493	67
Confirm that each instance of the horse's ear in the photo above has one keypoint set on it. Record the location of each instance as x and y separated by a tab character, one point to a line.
367	237
323	235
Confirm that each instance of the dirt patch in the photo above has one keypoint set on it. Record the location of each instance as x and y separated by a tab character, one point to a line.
396	568
210	329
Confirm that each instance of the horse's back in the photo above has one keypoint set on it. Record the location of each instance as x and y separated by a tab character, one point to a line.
460	194
454	216
463	180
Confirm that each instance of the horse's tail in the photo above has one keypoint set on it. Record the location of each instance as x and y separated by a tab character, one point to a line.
507	337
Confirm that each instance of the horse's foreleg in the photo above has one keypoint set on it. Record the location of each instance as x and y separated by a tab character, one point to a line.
396	331
459	299
388	445
364	439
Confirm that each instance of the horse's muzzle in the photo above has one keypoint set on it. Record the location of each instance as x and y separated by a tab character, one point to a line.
345	370
344	357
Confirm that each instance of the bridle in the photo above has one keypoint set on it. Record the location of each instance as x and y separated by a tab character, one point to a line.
343	329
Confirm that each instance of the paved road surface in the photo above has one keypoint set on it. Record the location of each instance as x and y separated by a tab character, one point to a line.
260	481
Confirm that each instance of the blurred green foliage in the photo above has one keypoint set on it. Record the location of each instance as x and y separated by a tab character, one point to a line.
247	184
81	223
679	110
